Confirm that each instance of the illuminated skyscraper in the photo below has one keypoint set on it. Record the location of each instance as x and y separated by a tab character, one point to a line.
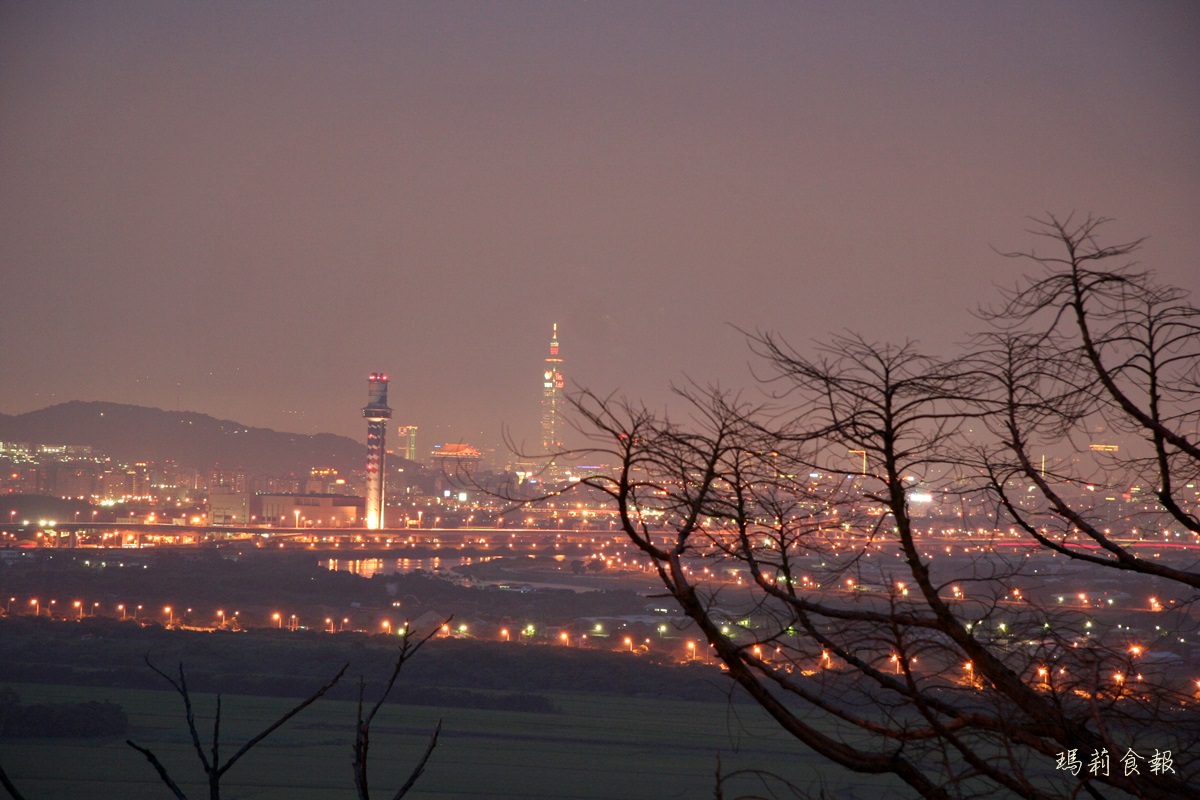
408	435
552	392
377	414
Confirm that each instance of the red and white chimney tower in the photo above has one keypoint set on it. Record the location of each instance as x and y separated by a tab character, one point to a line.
377	414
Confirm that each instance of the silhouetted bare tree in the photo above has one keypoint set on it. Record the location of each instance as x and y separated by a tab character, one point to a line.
214	769
1086	348
868	550
362	728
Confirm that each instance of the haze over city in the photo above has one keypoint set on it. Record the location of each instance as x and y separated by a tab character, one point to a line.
936	567
244	209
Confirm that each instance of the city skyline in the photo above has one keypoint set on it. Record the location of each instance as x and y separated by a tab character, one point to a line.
243	210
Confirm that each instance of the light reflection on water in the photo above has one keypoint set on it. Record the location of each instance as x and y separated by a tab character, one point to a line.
369	567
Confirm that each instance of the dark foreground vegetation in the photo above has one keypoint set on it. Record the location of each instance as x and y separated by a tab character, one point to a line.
509	720
449	672
67	720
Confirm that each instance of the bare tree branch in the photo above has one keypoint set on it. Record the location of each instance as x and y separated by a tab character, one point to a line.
160	769
213	769
9	786
409	645
877	639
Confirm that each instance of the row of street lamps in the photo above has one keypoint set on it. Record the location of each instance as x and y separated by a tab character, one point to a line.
81	609
331	624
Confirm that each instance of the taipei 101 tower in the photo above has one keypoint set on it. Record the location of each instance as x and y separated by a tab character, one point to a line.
552	391
377	414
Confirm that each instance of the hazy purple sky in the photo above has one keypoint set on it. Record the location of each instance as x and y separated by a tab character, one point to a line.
243	208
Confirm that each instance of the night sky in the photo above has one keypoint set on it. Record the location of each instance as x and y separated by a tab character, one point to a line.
243	208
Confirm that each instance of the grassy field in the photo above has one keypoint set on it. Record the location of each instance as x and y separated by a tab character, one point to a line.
596	747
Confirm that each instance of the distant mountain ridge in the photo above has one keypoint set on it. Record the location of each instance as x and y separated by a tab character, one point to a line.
137	433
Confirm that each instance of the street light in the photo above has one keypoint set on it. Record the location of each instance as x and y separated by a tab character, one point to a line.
121	608
278	620
79	607
37	606
170	615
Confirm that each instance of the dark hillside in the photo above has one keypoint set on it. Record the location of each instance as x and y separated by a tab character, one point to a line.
135	433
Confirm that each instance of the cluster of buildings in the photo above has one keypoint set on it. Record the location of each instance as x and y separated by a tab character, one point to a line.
452	459
396	487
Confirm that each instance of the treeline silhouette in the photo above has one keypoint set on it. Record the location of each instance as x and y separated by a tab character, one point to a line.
59	720
450	672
